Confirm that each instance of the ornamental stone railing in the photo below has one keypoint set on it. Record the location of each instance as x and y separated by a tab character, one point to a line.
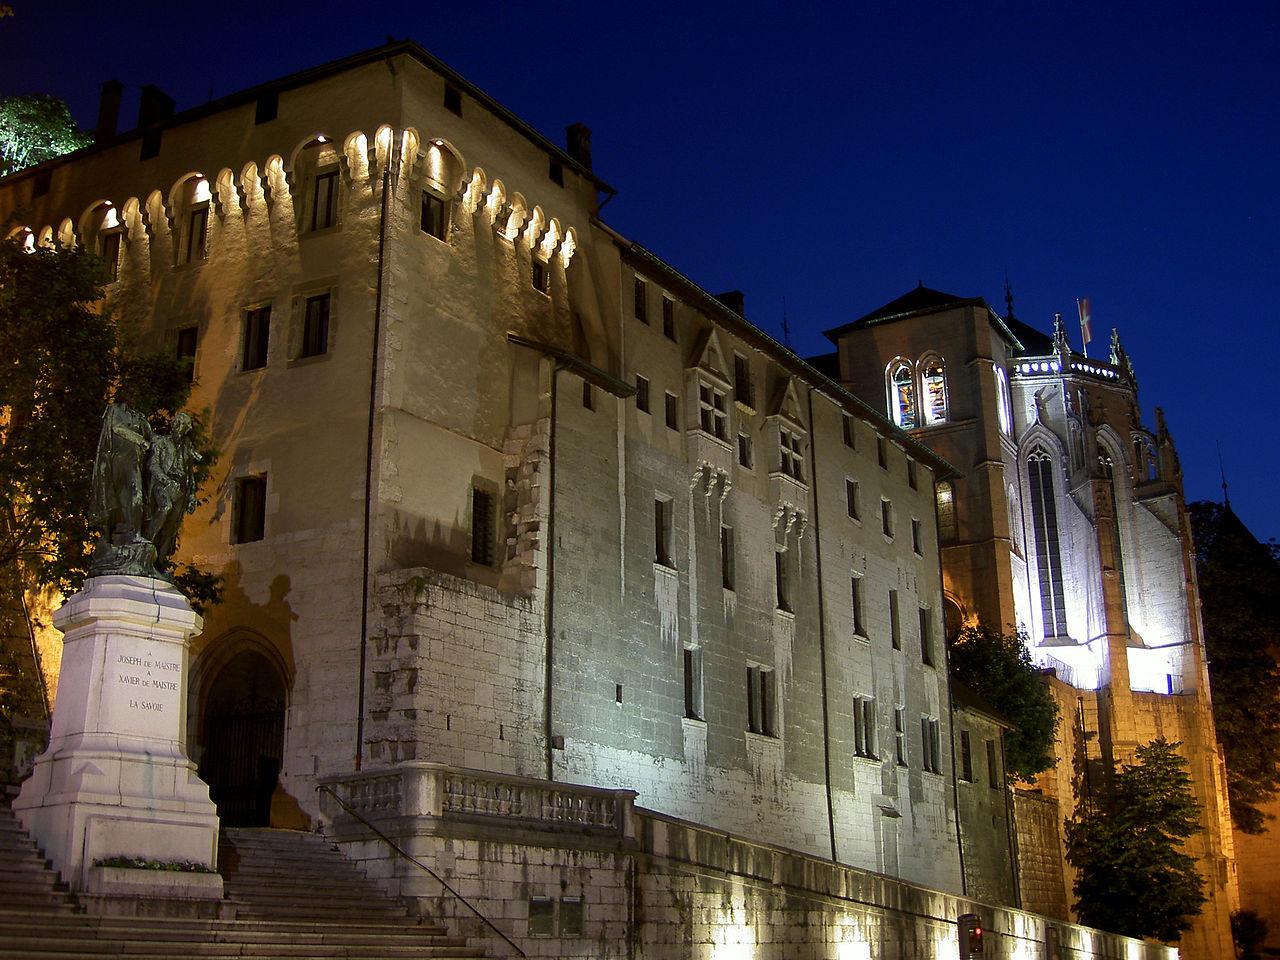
424	789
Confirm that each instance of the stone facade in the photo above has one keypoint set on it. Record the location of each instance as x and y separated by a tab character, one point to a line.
1067	523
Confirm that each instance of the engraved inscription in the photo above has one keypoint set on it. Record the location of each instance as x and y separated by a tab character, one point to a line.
139	673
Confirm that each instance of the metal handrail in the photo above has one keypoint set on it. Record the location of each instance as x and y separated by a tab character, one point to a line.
418	863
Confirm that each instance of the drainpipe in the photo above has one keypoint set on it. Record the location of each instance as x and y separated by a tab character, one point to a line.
822	630
951	706
368	456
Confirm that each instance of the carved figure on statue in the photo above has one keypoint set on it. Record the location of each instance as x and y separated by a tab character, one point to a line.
143	485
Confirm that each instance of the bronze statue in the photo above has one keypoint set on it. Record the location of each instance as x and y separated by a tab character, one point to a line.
143	485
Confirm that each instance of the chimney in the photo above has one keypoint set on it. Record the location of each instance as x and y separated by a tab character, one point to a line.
154	106
578	138
108	110
734	300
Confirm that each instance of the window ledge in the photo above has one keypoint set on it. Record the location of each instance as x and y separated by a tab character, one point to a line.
862	757
306	361
660	567
322	232
744	406
709	437
784	613
696	723
861	637
765	740
242	372
784	477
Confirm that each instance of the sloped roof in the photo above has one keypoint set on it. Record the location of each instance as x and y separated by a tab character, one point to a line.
1035	343
922	300
966	698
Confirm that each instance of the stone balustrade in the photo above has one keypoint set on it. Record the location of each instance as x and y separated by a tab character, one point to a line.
424	789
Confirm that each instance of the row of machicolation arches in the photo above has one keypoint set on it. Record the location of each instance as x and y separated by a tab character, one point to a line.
314	184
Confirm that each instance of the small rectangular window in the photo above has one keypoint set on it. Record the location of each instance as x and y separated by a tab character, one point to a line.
728	573
452	99
257	333
966	757
267	108
900	735
847	430
713	411
791	460
111	254
570	916
640	295
669	318
482	527
673	411
197	225
931	744
186	351
642	394
993	767
859	628
540	275
324	201
926	637
780	579
556	172
948	530
882	453
662	532
865	727
912	478
433	220
693	683
742	381
588	396
851	498
745	458
917	540
542	917
249	510
760	701
315	326
886	518
895	624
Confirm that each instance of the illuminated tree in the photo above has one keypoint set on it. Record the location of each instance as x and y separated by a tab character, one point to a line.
999	668
1132	875
34	129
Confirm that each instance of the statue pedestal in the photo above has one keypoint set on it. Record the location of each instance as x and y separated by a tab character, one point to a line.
116	779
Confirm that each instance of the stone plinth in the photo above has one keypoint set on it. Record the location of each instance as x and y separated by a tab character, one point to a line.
116	779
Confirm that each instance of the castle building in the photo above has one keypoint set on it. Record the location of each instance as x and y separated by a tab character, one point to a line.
1066	521
522	531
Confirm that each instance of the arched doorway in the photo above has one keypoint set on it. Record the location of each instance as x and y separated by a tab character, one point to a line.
953	617
242	738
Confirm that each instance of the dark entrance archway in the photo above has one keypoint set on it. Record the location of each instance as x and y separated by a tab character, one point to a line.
242	738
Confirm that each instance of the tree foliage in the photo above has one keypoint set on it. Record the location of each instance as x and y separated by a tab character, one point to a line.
34	129
1126	844
1239	581
998	667
62	363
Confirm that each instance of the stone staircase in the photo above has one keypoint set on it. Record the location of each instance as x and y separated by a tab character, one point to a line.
294	896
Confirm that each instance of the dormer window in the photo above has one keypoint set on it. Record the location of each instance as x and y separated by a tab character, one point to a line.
792	461
713	413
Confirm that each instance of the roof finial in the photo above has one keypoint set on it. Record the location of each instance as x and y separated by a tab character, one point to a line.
786	327
1008	297
1226	498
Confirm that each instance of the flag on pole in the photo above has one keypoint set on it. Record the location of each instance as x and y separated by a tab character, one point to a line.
1086	322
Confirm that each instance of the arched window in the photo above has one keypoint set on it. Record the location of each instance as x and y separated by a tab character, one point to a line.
1044	516
902	394
1107	467
933	382
1003	404
948	528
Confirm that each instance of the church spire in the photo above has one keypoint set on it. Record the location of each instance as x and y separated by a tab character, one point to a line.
1008	297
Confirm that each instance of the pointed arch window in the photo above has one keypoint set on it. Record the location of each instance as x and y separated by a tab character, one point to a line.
1003	405
933	383
1108	469
1044	515
902	394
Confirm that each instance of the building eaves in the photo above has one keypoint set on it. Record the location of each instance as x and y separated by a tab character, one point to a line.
311	75
749	331
966	698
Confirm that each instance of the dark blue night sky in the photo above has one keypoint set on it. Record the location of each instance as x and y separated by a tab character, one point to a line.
836	155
